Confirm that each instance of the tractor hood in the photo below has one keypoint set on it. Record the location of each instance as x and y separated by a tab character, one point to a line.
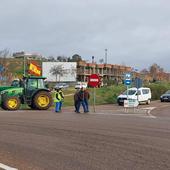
5	87
11	91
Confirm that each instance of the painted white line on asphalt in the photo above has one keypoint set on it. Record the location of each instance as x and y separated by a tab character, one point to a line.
118	114
149	109
6	167
69	95
150	115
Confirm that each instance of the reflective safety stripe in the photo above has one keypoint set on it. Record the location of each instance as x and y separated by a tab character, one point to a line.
58	95
61	94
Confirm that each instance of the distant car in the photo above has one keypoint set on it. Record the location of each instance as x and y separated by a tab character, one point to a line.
165	97
62	85
80	84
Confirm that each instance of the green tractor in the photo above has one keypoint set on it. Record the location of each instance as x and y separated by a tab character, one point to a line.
30	90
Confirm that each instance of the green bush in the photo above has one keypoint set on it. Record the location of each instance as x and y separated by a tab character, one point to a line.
158	89
108	95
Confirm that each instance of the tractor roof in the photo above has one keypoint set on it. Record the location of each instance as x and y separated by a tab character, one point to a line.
34	77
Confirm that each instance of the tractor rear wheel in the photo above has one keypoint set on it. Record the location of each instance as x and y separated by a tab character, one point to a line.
11	103
42	100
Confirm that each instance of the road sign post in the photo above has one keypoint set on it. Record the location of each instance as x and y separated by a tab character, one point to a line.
94	81
138	84
127	81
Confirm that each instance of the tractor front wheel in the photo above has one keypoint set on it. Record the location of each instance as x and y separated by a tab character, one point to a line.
11	103
42	100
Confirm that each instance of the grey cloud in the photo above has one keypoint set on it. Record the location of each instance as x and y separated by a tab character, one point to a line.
134	32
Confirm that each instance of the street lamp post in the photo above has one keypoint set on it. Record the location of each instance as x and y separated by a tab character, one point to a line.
24	65
105	56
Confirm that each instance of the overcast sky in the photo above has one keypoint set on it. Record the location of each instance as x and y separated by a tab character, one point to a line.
135	32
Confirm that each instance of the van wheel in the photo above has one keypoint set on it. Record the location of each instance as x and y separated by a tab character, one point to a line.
148	102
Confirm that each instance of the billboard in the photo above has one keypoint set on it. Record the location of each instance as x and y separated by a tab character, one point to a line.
60	71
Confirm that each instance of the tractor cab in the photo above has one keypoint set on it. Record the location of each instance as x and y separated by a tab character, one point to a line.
32	85
36	95
35	83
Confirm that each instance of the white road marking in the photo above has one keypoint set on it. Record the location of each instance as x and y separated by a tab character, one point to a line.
5	167
69	94
138	114
149	109
118	114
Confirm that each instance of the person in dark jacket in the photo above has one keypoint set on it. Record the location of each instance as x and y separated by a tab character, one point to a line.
76	100
81	99
86	99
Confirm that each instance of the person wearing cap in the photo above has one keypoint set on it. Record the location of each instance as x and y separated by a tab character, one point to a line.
81	99
57	99
76	99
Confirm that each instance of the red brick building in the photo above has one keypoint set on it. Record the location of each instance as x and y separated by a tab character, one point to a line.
105	71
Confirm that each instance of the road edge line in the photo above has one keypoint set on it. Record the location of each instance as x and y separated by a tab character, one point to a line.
3	166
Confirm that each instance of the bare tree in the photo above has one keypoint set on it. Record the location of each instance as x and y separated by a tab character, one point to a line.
57	71
62	58
3	68
73	71
51	58
4	53
154	70
101	61
144	71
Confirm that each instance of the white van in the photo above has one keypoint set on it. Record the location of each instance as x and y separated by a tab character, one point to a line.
143	95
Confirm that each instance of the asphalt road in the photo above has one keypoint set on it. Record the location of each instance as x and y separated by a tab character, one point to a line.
106	140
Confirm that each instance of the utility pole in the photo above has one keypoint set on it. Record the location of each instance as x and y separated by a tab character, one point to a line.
105	56
92	59
24	65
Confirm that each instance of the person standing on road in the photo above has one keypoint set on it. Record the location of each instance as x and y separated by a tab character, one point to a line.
86	99
76	100
62	98
57	100
81	98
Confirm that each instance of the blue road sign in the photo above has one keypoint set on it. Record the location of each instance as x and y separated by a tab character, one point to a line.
128	82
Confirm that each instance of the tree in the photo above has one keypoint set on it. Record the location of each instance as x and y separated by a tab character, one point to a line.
51	58
144	71
57	71
73	71
154	70
101	61
62	58
3	64
76	58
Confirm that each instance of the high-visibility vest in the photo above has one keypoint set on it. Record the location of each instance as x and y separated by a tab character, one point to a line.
61	94
57	95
